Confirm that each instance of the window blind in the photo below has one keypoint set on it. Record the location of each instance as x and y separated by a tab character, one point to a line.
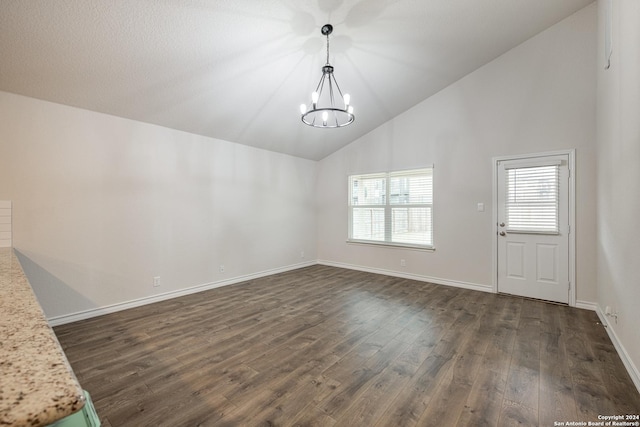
392	208
532	199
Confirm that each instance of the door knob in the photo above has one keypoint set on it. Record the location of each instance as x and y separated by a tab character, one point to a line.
502	224
502	233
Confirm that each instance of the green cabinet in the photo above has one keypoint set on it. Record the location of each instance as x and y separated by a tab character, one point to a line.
86	417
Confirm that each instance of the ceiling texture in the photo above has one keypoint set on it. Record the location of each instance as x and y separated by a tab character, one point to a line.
238	70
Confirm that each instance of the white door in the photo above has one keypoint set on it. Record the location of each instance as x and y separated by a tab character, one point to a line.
533	227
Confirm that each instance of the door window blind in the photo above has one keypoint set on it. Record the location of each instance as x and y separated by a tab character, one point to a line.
532	199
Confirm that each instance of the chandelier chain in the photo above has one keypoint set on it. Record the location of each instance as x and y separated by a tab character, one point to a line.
327	49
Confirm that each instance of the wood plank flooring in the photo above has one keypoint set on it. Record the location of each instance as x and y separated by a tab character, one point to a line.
323	346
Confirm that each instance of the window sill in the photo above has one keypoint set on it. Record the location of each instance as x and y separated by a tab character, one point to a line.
392	245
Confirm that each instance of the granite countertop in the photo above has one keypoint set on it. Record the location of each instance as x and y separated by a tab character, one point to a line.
37	385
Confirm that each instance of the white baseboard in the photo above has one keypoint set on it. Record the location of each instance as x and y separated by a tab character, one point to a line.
634	373
95	312
421	278
587	305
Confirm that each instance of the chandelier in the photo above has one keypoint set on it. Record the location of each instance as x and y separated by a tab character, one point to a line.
329	107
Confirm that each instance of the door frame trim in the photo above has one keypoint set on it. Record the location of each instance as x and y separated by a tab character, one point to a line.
571	155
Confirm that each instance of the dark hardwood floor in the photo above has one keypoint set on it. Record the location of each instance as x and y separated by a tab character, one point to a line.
323	346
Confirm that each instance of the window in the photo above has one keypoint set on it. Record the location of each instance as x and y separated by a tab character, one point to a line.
393	208
532	199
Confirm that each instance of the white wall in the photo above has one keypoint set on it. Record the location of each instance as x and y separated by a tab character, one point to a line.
101	205
619	177
538	97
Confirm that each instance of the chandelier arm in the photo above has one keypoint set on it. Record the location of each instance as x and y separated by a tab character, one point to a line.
338	87
320	86
331	100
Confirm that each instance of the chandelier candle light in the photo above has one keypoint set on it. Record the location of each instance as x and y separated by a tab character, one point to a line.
324	112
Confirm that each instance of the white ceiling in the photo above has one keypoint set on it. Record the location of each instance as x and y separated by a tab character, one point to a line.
239	69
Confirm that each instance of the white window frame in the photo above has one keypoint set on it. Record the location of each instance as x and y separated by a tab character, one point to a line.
388	209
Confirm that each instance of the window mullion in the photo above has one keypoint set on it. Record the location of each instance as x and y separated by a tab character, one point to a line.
387	210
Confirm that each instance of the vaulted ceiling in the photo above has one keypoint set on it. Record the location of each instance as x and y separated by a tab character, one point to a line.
239	69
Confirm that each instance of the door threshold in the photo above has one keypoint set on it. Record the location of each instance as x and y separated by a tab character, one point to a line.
535	299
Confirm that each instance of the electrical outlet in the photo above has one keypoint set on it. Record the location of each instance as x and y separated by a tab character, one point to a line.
403	263
221	268
156	281
609	312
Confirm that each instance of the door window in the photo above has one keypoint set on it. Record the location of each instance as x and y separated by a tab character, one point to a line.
531	203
